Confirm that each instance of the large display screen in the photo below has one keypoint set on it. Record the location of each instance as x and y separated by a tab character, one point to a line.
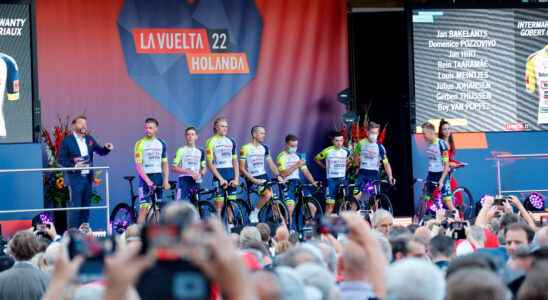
16	125
481	69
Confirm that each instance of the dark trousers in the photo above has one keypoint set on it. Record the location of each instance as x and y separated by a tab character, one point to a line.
80	195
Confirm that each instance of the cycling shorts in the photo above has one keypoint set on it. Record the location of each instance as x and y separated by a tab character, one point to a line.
228	175
332	189
446	193
186	185
364	177
157	179
261	189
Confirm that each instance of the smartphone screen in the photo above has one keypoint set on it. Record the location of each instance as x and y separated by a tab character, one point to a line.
94	251
179	280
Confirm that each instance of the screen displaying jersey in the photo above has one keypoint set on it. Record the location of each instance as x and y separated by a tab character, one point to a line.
16	125
285	160
371	154
191	158
480	69
254	157
437	154
536	81
221	150
9	85
335	161
150	153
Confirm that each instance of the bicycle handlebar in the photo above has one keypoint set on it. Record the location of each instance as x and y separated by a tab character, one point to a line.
435	183
319	185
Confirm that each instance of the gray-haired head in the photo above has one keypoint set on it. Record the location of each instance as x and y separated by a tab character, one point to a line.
180	213
318	277
329	255
414	279
385	244
300	254
291	284
476	234
52	254
379	215
248	235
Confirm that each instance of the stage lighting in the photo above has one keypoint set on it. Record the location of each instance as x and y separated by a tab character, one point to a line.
534	202
344	96
349	117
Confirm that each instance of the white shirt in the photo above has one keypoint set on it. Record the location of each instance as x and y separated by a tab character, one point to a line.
81	141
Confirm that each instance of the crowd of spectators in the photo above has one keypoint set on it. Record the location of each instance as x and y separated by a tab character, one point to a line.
502	254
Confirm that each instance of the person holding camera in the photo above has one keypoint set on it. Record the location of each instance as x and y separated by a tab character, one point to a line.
77	150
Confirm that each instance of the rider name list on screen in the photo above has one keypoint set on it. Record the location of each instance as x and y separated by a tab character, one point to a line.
481	69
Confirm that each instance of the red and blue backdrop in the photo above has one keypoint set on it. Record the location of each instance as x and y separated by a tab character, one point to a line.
275	63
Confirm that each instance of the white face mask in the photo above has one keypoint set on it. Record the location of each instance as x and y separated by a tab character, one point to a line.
373	137
291	150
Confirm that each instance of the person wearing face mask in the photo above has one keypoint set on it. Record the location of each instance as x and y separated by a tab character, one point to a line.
77	151
369	154
289	164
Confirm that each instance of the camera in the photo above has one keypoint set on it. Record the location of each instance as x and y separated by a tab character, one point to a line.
458	230
500	201
94	251
332	225
173	276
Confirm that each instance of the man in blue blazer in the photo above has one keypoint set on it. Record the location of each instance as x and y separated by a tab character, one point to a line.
77	151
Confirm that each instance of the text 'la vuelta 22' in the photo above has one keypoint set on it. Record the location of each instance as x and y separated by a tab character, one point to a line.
201	54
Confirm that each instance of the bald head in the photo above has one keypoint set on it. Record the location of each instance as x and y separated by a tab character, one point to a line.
542	237
423	234
282	234
354	262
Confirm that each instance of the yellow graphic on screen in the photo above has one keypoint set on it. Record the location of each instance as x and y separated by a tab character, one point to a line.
536	81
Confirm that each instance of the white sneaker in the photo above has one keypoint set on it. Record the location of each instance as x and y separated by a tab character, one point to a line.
254	216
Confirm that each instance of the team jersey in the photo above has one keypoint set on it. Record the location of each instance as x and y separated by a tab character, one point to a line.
536	80
221	150
189	158
335	161
371	154
150	153
437	154
285	160
254	158
9	85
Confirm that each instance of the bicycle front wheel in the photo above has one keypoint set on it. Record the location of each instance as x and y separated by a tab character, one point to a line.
380	201
274	213
466	205
348	204
205	209
307	212
121	217
153	215
233	215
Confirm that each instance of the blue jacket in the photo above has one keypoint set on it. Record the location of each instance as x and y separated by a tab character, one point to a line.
70	150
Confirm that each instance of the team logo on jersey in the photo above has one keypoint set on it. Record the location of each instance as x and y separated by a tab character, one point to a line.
191	56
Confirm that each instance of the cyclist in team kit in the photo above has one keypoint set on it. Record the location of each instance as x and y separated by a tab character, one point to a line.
151	165
369	154
289	163
336	161
222	161
253	156
437	153
190	164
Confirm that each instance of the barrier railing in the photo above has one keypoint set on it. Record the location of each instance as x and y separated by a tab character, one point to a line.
45	170
502	157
